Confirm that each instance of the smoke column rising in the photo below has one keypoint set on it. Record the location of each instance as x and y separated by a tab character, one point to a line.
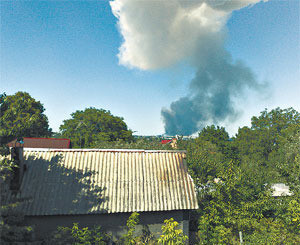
160	33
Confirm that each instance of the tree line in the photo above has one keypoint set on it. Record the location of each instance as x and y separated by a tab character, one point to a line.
234	176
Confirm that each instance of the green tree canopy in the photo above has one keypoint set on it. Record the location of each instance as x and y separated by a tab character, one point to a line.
258	145
234	179
277	119
22	116
91	126
216	135
19	115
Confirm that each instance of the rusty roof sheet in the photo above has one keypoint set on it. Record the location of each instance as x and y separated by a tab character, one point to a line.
60	182
42	143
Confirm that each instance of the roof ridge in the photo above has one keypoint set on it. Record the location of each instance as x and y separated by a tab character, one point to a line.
101	150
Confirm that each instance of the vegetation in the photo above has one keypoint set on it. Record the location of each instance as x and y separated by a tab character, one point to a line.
76	235
146	143
234	179
129	238
170	233
22	116
91	127
12	228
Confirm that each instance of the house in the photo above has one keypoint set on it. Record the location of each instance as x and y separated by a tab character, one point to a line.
280	189
172	142
51	143
103	187
164	142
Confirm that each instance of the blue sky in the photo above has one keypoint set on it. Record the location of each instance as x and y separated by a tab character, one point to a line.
64	54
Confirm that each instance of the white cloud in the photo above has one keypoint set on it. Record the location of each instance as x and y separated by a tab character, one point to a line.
159	33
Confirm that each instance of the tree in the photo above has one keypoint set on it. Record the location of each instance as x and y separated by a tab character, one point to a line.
277	119
204	161
216	135
258	146
130	238
219	137
22	116
171	234
234	177
90	127
206	155
12	228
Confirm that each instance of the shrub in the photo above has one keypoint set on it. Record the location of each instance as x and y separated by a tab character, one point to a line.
75	235
171	235
129	238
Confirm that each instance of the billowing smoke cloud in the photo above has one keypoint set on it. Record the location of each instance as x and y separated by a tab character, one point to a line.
160	33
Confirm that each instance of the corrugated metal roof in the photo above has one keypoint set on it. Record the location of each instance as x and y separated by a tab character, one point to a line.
59	182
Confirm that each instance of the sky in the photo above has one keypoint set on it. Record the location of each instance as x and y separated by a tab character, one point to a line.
66	54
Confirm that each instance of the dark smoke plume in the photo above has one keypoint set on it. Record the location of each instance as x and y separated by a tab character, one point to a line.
211	96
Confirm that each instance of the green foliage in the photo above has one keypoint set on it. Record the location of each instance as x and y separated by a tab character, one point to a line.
19	115
146	143
204	161
261	144
86	236
129	238
11	217
208	154
272	232
226	207
79	236
91	127
6	167
234	179
216	135
275	120
11	225
22	116
170	234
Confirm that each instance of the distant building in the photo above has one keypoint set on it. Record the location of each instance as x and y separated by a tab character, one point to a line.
280	189
164	142
172	142
49	143
103	187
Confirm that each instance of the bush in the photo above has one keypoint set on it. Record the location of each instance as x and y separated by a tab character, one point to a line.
85	236
171	235
130	238
75	235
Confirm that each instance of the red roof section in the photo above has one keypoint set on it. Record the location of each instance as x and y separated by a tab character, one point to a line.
51	143
166	141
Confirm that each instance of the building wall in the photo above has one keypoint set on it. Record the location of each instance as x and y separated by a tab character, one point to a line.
114	224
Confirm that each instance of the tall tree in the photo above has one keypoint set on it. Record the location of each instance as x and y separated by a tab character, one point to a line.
22	116
90	127
12	229
257	145
216	135
277	119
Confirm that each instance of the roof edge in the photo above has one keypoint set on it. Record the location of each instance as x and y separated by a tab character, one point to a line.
102	150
